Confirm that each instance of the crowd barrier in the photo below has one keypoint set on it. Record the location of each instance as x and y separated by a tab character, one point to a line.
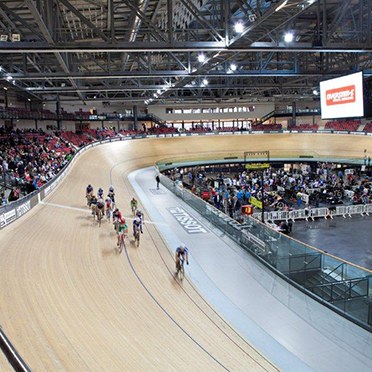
312	213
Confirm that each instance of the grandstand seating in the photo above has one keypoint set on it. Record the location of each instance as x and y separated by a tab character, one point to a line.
304	127
266	127
368	127
343	125
77	139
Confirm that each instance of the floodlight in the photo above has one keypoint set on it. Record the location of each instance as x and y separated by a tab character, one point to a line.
238	27
201	57
288	37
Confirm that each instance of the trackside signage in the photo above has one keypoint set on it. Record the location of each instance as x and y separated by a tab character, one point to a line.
340	95
24	208
188	222
7	217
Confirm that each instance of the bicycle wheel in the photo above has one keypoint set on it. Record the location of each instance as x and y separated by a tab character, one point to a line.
99	217
122	243
138	238
180	271
181	274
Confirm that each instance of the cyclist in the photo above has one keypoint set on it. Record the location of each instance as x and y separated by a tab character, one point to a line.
111	194
89	189
100	207
89	193
122	229
93	204
100	192
141	216
136	225
133	205
181	251
108	207
116	217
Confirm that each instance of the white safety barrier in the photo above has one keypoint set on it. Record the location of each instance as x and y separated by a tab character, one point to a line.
307	213
278	215
368	209
299	214
356	209
342	210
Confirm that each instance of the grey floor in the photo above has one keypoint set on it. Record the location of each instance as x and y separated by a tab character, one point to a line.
348	238
292	330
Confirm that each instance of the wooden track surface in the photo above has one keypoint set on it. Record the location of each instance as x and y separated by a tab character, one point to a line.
69	302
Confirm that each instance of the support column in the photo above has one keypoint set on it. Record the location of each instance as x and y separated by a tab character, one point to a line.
135	117
294	114
58	112
6	97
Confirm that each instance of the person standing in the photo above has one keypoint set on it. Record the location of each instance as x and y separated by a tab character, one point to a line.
157	178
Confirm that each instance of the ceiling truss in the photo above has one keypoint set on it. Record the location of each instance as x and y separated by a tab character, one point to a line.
148	51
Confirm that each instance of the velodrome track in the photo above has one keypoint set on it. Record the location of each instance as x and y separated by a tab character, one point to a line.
68	302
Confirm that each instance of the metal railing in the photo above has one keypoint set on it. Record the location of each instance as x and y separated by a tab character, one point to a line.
293	261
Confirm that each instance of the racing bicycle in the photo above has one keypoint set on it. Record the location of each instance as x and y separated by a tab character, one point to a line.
137	235
121	242
180	269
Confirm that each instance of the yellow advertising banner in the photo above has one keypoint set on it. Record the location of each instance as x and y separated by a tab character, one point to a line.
254	166
257	203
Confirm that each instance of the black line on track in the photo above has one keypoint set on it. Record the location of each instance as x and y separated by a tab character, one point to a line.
192	300
167	313
216	313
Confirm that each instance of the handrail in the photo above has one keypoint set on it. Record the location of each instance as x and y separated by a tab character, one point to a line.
342	272
268	246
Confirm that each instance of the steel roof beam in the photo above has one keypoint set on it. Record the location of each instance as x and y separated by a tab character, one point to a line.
34	47
84	19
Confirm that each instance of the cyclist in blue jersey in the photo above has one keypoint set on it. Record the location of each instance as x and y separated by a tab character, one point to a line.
141	216
182	252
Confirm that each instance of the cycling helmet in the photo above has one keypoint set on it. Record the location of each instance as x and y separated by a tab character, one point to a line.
139	212
116	210
111	188
182	247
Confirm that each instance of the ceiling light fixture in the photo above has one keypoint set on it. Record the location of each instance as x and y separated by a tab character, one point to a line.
238	27
201	58
288	37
